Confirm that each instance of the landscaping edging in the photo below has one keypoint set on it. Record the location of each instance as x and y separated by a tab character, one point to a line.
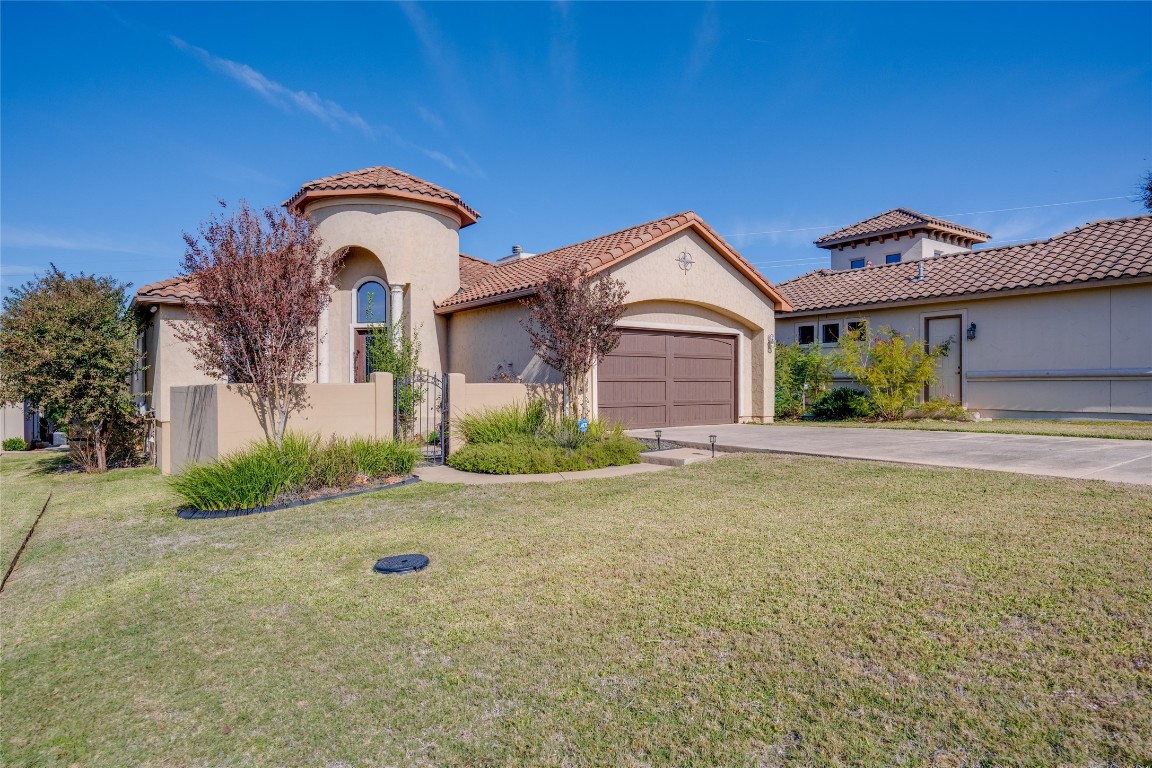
218	514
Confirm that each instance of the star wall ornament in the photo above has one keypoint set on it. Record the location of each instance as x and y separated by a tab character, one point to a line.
685	261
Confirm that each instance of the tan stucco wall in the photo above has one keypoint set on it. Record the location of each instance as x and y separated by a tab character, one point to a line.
1057	354
481	339
910	248
406	243
719	295
12	421
212	420
171	364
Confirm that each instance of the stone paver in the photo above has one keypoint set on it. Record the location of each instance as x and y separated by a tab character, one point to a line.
450	475
1126	461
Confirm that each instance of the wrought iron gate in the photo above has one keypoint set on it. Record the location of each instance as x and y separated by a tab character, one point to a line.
421	413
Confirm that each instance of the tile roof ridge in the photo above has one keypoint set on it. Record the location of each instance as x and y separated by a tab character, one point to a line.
688	216
476	258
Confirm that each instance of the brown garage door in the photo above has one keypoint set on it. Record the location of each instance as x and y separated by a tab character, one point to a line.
663	379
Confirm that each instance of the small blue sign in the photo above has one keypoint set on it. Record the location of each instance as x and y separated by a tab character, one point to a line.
582	425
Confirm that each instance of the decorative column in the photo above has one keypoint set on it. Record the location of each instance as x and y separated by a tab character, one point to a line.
322	331
395	309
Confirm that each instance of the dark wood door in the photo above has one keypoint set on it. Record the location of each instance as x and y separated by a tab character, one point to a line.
666	379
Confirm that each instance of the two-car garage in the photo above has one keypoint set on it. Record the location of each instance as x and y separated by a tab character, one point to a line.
659	378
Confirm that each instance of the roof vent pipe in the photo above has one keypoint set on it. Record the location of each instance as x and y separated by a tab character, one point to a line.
517	250
919	272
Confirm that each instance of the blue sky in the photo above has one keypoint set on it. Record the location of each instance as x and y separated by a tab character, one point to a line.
122	124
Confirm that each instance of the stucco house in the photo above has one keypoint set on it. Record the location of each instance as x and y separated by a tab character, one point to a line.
1056	328
698	327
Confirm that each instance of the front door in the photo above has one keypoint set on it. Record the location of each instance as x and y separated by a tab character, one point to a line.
362	368
940	330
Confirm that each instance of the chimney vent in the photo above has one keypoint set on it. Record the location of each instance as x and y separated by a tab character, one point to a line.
517	250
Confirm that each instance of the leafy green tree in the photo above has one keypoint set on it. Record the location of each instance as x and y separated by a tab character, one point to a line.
803	374
893	367
397	352
68	345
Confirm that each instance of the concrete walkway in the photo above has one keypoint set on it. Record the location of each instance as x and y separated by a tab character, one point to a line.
1125	461
449	475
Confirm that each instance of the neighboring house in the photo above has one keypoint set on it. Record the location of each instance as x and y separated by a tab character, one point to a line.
1057	328
699	322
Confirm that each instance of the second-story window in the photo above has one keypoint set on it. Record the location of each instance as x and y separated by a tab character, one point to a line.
857	263
892	258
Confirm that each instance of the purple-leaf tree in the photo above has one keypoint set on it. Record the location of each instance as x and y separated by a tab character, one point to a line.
572	324
263	280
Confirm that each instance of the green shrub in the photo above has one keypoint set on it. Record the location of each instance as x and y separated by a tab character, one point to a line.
842	403
496	425
263	474
803	373
524	456
15	444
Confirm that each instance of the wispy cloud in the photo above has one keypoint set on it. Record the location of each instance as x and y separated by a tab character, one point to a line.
15	237
19	270
433	120
327	111
704	46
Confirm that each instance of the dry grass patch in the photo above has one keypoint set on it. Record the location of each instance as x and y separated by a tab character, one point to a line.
759	610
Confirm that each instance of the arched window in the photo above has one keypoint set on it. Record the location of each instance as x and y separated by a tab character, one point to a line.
371	303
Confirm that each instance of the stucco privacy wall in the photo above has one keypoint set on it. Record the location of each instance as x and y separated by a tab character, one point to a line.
466	398
211	420
419	243
1077	352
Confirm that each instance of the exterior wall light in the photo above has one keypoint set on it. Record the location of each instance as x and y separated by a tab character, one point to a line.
712	440
658	433
971	331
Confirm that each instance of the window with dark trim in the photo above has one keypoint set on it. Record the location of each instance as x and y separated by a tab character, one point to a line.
806	334
855	325
857	263
830	333
892	258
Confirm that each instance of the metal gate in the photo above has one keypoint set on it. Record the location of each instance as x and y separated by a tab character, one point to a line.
421	413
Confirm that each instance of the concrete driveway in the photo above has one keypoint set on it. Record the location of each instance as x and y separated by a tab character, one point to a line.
1088	458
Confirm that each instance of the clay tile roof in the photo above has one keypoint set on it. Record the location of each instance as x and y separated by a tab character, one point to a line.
171	291
473	270
520	278
386	182
1101	250
898	220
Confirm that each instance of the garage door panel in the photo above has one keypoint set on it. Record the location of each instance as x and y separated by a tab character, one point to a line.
702	392
712	346
657	378
697	413
639	367
641	342
633	392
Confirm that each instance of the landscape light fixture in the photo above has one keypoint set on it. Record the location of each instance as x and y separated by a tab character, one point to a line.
658	433
971	331
712	439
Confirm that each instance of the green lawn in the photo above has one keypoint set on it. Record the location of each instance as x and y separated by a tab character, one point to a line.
759	610
1118	430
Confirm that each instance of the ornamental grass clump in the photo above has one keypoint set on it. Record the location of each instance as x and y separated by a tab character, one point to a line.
265	474
524	439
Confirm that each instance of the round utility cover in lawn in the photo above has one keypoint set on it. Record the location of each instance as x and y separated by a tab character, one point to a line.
401	564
